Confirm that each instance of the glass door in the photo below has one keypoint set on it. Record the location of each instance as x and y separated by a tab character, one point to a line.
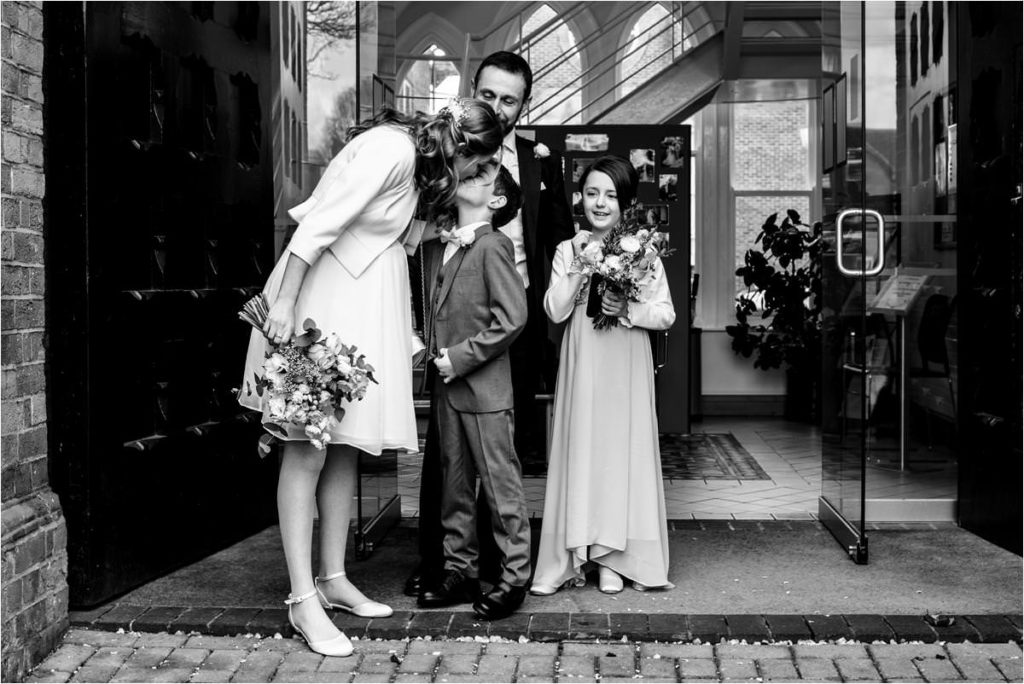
889	271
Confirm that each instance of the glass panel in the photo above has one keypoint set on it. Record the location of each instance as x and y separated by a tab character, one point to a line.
556	60
331	78
772	144
429	83
654	42
751	212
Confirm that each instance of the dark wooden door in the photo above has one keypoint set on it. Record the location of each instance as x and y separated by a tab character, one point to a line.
159	215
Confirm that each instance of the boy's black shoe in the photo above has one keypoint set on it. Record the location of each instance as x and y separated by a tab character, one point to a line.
500	602
453	588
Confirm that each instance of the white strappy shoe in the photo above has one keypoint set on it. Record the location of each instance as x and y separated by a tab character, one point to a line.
368	609
339	646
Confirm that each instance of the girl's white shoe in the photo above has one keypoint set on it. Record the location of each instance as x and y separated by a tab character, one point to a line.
609	581
542	590
338	646
368	609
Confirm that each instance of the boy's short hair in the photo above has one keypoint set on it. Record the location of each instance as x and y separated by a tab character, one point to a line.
505	186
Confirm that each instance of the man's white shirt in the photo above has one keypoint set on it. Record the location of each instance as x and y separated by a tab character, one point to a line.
514	228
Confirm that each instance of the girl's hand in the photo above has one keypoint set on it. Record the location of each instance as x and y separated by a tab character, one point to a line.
614	304
280	324
579	241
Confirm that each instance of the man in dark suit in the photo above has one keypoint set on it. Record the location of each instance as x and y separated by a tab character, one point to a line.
504	80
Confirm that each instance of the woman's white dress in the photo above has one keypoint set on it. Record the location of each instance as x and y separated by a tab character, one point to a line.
353	232
605	501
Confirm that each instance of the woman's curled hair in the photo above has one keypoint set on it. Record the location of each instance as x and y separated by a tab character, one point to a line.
466	128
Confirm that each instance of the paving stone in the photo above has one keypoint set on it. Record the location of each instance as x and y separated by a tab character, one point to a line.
630	625
870	628
270	621
394	627
283	645
414	678
161	639
708	628
536	666
906	650
512	627
734	669
119	616
66	658
372	678
96	638
354	627
247	677
48	676
341	666
777	670
418	663
301	661
159	674
189	658
496	668
828	627
626	651
994	628
576	666
457	664
817	670
223	659
788	627
910	628
258	666
531	648
87	617
232	621
157	619
212	676
382	646
938	670
1012	668
674	627
752	651
588	626
687	651
897	669
749	627
968	650
549	626
959	630
433	624
530	679
454	678
977	668
296	677
830	651
446	647
218	643
662	668
194	619
465	624
94	673
616	665
378	663
697	667
856	670
148	657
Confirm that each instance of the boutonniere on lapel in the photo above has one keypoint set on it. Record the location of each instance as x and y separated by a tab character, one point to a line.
541	151
462	237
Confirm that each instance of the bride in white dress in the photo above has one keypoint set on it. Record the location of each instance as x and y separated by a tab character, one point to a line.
346	269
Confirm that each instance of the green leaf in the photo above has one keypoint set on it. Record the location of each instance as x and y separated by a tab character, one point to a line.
274	427
339	413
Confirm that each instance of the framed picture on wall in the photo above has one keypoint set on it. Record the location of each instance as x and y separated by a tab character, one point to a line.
667	191
643	162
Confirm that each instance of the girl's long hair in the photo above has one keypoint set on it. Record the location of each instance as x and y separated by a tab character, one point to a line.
467	128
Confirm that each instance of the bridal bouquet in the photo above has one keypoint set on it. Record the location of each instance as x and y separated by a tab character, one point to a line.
624	261
306	379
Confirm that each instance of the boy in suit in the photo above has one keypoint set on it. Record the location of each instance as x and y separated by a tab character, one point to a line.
478	307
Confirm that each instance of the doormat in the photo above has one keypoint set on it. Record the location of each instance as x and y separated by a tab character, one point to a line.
711	456
699	456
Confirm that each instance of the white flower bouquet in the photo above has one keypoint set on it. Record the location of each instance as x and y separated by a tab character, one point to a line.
306	379
625	260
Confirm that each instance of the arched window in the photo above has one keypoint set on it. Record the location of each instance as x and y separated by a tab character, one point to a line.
654	42
555	60
429	83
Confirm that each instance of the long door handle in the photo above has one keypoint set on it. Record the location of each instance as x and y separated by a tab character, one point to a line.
880	222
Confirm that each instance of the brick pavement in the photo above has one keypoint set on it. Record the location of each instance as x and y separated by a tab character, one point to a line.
87	655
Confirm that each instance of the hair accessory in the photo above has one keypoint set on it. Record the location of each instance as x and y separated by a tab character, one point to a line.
454	109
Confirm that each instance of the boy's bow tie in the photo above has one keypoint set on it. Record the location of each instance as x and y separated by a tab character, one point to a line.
463	237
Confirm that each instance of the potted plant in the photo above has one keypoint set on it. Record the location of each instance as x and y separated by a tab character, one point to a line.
779	315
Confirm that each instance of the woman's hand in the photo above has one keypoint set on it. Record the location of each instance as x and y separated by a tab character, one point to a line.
579	241
614	304
280	324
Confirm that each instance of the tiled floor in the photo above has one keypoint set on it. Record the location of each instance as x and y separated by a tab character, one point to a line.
789	452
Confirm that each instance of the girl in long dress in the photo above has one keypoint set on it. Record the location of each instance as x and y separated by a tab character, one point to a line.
346	269
605	501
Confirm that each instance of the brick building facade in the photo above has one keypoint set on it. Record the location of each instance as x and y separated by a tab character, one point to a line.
34	539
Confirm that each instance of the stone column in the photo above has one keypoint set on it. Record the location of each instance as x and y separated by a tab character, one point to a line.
34	537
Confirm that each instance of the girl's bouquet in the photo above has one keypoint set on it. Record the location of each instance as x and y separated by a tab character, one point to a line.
306	379
625	260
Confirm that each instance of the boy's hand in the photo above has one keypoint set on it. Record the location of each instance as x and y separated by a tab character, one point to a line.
444	367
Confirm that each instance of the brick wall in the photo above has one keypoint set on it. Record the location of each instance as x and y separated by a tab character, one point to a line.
34	537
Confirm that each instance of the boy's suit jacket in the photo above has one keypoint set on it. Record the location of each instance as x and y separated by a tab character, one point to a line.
478	307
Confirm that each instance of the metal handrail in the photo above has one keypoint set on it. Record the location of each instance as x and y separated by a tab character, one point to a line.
617	84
